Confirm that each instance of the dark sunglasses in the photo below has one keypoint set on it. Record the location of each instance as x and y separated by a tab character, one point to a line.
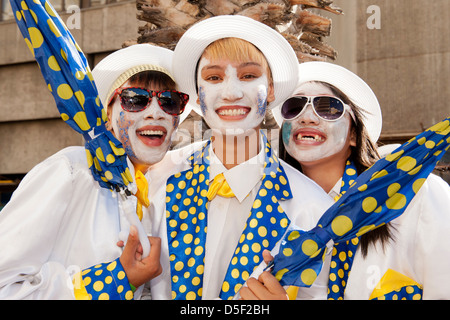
138	99
325	107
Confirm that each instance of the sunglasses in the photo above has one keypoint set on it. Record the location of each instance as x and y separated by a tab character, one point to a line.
138	99
325	107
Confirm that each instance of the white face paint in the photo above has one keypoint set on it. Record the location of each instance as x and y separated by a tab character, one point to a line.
310	138
145	135
233	96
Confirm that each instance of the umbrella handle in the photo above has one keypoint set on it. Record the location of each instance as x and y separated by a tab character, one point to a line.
130	213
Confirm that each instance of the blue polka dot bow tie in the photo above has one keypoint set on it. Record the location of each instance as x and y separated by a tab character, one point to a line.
377	196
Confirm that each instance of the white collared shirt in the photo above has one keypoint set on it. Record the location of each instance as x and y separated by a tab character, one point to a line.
336	190
59	221
227	217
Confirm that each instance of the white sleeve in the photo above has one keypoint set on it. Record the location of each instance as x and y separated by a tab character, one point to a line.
433	239
29	227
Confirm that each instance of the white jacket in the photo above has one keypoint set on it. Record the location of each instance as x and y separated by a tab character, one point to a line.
59	221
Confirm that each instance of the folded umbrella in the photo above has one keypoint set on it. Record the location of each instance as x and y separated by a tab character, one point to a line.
379	195
69	79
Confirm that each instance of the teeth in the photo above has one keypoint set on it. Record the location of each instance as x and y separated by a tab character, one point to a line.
316	138
232	112
152	132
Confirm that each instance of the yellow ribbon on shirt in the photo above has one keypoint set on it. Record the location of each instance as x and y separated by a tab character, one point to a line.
220	187
142	193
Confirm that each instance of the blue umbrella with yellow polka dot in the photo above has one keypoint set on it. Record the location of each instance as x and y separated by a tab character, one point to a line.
377	196
69	79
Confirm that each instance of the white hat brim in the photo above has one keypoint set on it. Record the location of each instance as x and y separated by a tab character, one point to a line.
350	84
278	52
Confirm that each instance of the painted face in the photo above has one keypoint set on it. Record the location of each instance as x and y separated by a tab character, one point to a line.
309	138
233	96
145	135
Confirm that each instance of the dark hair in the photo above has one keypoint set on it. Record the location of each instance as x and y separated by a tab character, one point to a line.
150	77
146	78
364	155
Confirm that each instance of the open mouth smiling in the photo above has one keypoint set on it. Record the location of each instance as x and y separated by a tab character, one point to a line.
233	112
152	136
309	137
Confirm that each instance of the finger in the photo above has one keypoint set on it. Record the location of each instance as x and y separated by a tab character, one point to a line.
272	285
139	249
131	245
120	243
153	259
267	256
155	249
138	256
247	294
258	290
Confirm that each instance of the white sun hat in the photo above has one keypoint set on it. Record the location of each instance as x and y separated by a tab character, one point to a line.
350	84
115	69
278	52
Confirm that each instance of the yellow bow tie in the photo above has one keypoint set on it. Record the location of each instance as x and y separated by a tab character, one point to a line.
220	187
142	193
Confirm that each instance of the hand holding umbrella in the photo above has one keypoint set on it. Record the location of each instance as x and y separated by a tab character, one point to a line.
377	196
69	79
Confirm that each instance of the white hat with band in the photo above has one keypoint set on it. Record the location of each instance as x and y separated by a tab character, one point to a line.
115	69
350	84
278	52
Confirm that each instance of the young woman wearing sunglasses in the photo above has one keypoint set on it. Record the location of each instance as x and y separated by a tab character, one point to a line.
60	221
330	127
144	120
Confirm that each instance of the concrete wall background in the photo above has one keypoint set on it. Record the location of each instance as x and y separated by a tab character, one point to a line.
406	62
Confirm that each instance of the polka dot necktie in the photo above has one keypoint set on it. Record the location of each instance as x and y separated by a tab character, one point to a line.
186	216
344	252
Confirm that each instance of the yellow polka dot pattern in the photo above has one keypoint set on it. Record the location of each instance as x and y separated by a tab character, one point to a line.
405	293
341	264
186	217
68	77
344	252
107	281
62	63
396	286
377	196
107	161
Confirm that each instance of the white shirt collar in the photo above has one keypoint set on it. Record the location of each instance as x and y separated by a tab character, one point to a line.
242	178
336	190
